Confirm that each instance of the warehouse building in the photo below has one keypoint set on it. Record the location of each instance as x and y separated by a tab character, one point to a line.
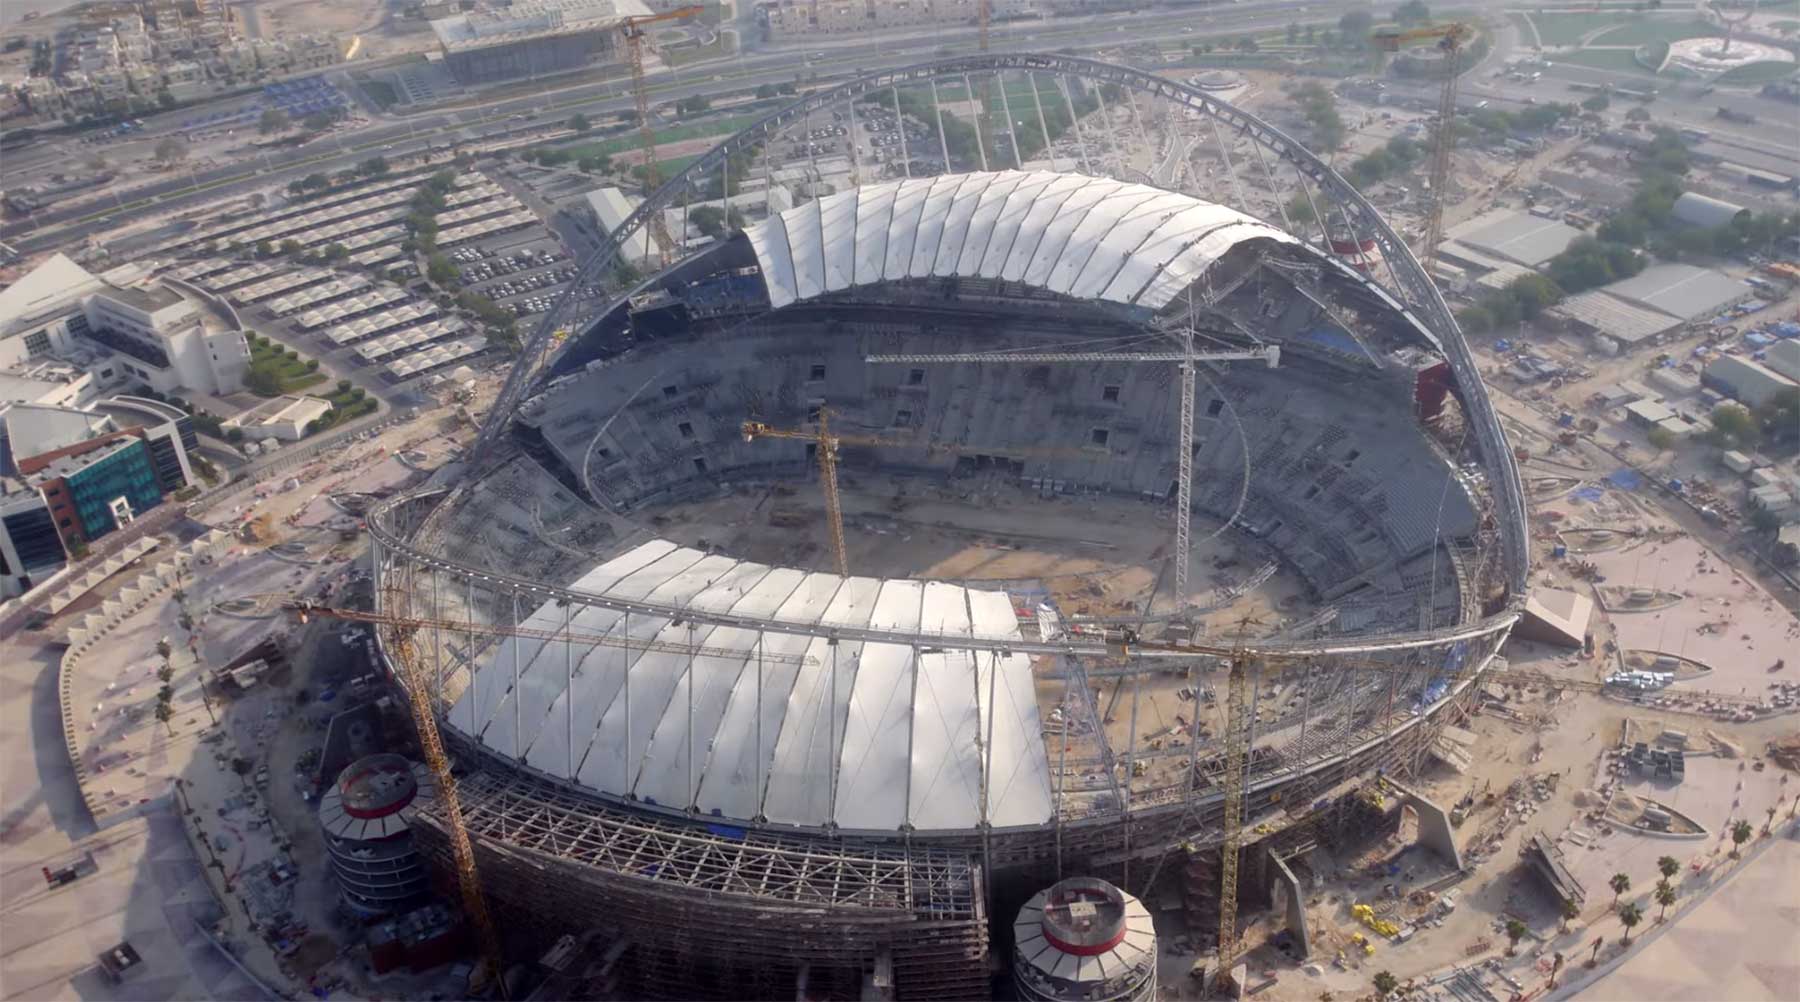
1653	304
1705	211
1744	381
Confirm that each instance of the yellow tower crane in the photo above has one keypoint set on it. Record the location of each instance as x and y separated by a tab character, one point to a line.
1450	38
633	28
418	687
827	444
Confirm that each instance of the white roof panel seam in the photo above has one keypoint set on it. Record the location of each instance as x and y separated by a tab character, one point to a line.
1009	221
1090	286
982	229
956	230
1106	214
1044	212
1162	267
1053	242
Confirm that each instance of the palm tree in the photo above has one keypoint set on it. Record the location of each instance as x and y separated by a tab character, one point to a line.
1515	931
1385	983
1620	884
1630	915
1665	896
1769	824
1668	867
163	650
1740	833
166	713
1555	966
165	673
165	695
1570	912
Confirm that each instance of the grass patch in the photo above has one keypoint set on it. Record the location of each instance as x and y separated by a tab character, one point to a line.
274	372
1617	60
726	126
1567	29
681	57
1758	73
1648	30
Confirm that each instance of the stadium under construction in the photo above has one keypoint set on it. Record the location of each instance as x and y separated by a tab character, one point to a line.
741	764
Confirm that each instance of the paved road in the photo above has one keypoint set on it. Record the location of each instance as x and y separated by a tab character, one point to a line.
821	60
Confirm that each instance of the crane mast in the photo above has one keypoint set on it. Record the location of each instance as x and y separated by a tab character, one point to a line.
1450	39
633	30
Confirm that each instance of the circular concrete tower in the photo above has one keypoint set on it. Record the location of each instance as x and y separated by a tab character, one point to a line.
367	818
1084	940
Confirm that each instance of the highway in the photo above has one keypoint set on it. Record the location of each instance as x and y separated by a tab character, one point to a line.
813	61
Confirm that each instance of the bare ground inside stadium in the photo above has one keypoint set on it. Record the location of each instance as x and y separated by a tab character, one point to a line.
1096	556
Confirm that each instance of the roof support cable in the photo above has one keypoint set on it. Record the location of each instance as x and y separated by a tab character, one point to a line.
1237	189
1043	126
900	130
1112	141
980	144
937	109
1012	130
1062	83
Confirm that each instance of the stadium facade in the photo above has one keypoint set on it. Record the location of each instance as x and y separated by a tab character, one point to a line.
754	778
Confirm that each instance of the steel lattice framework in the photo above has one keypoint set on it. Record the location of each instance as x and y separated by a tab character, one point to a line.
586	299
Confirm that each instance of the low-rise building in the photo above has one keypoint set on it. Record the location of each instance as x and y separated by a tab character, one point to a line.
608	208
1744	380
152	334
70	476
284	417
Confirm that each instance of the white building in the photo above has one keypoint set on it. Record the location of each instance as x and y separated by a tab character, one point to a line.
608	208
284	417
154	334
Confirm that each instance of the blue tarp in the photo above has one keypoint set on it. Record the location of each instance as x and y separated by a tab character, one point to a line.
1589	494
1625	480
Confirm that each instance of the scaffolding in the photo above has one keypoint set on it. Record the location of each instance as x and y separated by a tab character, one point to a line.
703	903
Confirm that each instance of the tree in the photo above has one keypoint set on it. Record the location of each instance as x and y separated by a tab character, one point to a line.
263	382
336	252
1620	883
1734	427
1534	293
164	99
1515	931
1630	915
766	92
1556	966
290	246
318	121
373	167
1355	26
1668	866
1665	896
1570	912
1661	439
579	123
273	120
440	271
1769	825
170	150
1247	44
1740	833
1412	12
166	713
1597	103
1385	984
695	105
1779	416
166	673
343	386
163	650
1638	114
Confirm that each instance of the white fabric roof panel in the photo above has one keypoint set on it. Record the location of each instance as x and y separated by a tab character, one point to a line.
897	729
1008	221
874	211
956	223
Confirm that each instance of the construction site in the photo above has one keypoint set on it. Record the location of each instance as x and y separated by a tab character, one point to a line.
944	542
1049	575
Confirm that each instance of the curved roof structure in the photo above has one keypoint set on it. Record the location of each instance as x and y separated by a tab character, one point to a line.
770	725
1079	236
